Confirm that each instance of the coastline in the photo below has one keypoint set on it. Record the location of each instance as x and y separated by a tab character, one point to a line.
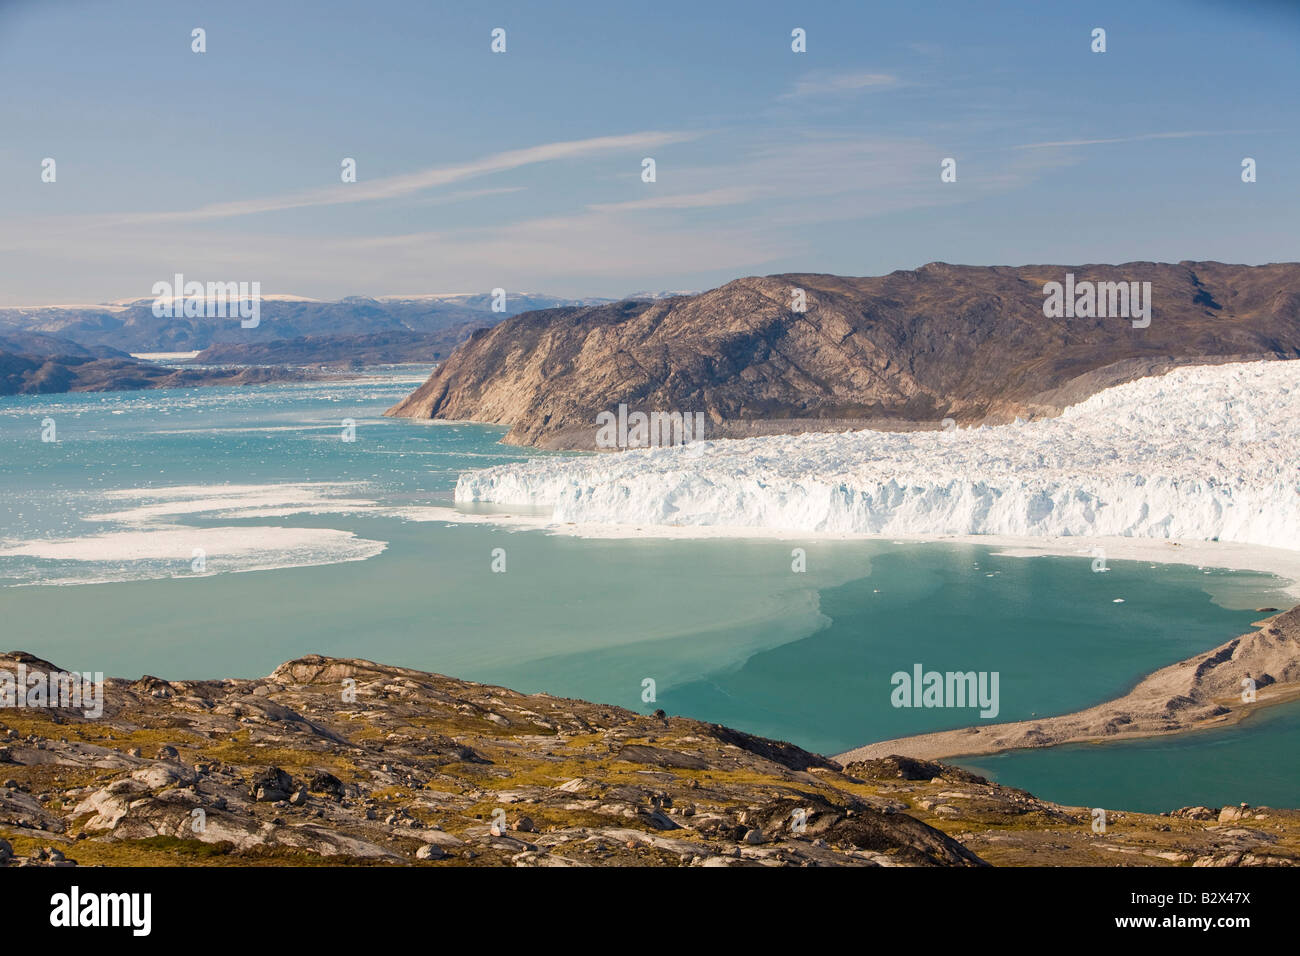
1197	693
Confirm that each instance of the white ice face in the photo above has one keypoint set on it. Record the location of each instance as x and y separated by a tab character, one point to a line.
1201	453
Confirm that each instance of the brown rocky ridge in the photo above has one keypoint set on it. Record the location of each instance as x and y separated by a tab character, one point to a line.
904	350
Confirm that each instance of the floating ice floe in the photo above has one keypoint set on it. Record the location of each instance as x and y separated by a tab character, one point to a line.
144	542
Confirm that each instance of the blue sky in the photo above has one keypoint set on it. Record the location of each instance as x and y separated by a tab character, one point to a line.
523	169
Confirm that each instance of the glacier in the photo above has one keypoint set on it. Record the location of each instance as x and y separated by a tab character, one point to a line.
1199	453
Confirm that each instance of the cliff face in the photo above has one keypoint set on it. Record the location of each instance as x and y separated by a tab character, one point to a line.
897	351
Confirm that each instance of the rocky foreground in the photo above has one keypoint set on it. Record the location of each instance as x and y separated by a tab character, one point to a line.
340	761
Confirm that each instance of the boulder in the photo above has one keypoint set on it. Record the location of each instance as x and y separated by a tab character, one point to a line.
327	784
271	785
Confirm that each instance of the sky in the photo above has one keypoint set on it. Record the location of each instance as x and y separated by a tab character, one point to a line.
523	170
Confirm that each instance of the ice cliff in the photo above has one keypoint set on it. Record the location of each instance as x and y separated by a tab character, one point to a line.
1208	452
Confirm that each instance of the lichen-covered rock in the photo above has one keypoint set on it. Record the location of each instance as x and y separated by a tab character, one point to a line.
414	768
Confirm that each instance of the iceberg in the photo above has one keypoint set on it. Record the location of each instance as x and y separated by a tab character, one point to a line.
1199	453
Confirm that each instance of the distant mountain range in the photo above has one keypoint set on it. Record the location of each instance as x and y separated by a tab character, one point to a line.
345	351
34	363
61	348
417	328
904	350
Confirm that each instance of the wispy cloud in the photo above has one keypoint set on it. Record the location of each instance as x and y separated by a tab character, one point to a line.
396	187
727	196
821	84
1188	134
465	195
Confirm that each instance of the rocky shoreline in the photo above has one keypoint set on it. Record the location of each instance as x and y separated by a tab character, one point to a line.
1205	690
347	762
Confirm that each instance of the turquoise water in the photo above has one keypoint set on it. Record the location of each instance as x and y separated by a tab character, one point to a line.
1253	761
726	630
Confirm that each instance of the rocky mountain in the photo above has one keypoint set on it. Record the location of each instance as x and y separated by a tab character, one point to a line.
903	350
350	762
